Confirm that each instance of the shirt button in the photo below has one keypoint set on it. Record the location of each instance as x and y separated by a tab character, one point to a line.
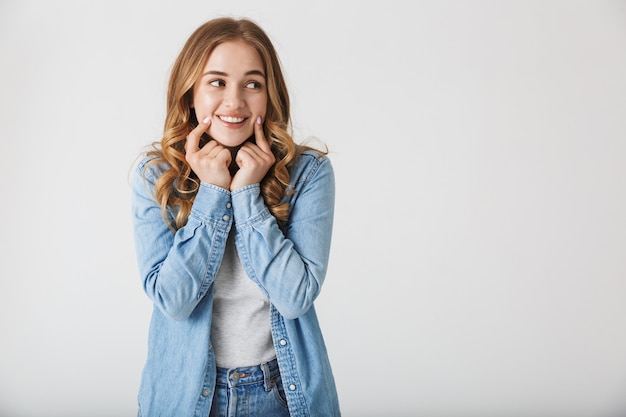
228	205
206	392
225	217
282	342
292	387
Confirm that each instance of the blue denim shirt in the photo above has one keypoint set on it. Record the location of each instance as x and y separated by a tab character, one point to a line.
289	265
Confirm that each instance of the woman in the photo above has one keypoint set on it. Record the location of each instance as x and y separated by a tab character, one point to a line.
233	225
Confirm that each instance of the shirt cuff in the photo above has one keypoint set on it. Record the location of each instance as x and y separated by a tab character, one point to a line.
212	204
248	205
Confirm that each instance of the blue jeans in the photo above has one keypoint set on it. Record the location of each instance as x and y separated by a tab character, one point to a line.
255	391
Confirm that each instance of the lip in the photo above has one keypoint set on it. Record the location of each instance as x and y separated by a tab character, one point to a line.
232	121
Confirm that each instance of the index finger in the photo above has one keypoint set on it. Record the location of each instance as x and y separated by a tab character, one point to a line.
259	135
193	138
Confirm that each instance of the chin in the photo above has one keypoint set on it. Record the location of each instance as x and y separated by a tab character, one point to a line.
232	141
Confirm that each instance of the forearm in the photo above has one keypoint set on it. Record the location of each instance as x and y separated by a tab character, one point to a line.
289	266
177	269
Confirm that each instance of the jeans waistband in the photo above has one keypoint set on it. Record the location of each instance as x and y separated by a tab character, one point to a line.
263	373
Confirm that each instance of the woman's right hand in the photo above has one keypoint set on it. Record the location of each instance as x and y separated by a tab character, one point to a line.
211	162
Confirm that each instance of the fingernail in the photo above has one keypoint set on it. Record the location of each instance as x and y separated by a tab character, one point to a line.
206	119
258	120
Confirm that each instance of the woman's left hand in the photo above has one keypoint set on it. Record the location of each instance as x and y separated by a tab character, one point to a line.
253	160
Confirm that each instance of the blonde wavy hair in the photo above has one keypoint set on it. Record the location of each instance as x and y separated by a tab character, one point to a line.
178	184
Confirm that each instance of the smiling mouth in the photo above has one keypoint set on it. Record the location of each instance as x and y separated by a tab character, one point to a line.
228	119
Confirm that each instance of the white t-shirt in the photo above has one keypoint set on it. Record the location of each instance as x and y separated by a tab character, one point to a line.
240	328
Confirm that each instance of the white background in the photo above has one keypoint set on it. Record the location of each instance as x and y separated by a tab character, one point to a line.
479	256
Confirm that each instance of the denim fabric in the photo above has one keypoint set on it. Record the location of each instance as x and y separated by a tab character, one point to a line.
289	265
249	392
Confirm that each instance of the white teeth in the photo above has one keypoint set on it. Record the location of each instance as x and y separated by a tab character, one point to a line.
232	119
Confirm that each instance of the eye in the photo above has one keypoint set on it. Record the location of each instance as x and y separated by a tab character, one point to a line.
254	85
217	83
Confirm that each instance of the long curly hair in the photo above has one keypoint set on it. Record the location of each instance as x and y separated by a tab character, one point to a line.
178	185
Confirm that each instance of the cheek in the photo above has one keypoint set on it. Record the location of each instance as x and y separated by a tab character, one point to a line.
204	105
260	106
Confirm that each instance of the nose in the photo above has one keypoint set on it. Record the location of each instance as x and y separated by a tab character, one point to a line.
233	98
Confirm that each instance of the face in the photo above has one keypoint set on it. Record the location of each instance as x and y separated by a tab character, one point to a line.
232	91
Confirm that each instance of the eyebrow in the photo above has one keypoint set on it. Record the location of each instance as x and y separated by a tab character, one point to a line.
223	74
